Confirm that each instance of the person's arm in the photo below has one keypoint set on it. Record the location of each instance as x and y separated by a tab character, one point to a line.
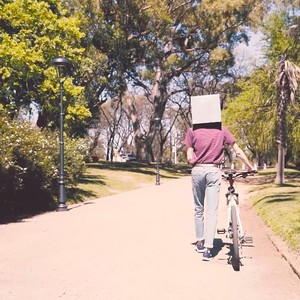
188	141
242	156
190	154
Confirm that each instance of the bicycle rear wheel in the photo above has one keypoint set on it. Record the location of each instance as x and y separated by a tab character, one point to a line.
235	240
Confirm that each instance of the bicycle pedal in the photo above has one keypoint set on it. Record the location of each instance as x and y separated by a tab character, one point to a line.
248	239
221	230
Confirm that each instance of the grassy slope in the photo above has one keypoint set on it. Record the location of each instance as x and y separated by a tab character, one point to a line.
106	178
279	206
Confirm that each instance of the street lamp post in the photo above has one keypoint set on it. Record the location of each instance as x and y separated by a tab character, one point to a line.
157	123
61	65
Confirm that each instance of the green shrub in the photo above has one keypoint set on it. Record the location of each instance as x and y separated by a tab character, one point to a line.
29	167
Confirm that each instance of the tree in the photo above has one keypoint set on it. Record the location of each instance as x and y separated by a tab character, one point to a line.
150	44
267	98
283	33
287	83
117	127
251	115
32	33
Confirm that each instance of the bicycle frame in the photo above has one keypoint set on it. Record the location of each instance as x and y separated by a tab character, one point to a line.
234	223
233	201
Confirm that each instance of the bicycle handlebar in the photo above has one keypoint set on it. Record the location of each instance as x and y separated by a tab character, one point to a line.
232	174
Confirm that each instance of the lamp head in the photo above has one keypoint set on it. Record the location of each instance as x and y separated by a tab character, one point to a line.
62	65
157	121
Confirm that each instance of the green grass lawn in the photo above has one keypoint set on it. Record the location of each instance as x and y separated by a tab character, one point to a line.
279	206
108	178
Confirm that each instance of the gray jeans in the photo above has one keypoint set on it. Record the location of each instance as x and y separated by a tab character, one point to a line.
206	183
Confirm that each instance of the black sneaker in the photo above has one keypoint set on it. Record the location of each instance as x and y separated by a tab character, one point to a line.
207	256
200	247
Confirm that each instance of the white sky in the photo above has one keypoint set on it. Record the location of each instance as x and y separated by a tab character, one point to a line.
250	56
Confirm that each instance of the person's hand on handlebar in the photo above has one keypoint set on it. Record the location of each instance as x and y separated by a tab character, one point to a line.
242	156
252	171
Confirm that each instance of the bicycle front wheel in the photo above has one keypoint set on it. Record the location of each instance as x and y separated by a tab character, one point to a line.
235	240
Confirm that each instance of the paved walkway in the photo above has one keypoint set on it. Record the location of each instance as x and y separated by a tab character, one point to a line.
136	246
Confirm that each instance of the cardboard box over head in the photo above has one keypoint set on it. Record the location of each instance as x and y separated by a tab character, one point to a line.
206	109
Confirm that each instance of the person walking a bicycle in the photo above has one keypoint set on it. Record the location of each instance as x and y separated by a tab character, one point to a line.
205	143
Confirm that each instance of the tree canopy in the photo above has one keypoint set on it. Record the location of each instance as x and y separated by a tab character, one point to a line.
150	46
32	33
149	57
270	92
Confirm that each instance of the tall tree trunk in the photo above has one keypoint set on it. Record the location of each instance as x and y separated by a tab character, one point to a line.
280	165
287	81
144	143
160	97
283	94
142	147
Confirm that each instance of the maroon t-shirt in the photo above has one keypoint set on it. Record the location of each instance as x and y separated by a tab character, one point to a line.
208	144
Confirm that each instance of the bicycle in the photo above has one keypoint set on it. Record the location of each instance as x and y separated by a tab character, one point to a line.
235	229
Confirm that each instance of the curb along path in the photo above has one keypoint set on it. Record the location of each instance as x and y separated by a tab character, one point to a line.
136	246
